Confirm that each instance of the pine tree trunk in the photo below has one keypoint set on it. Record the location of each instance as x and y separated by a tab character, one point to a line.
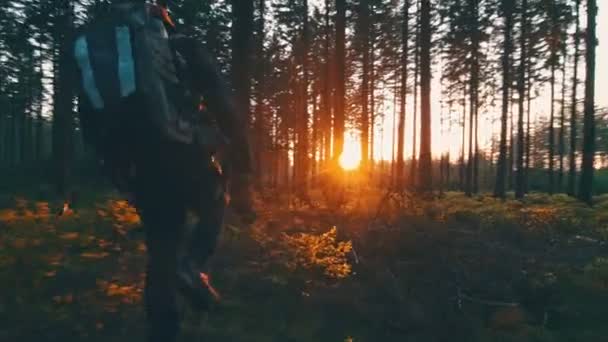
573	114
413	165
551	130
260	124
425	167
303	137
586	182
463	144
394	135
63	103
501	170
402	95
476	158
561	149
327	89
473	92
372	93
315	137
242	51
340	83
528	125
521	88
511	162
364	24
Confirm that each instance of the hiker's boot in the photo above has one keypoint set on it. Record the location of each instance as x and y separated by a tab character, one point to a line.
197	288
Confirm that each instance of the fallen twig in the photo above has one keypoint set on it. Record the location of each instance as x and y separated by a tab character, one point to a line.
461	296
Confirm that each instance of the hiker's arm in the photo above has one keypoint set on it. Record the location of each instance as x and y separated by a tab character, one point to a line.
209	82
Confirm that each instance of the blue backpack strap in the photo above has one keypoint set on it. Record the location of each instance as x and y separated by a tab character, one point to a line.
89	85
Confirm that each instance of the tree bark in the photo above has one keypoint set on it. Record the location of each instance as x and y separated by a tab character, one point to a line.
521	88
327	90
260	122
303	136
501	170
425	170
573	114
340	79
473	91
561	145
586	182
413	165
63	102
364	24
551	130
464	134
402	94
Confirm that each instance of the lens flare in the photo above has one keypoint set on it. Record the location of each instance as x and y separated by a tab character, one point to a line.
351	156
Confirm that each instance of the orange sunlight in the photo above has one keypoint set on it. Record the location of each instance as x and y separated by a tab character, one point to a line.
351	156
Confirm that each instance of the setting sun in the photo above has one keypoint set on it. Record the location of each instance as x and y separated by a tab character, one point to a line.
351	157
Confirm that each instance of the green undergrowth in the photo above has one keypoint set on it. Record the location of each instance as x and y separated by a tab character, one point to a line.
377	267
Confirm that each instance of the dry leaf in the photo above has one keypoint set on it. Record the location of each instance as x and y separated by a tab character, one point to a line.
93	255
69	236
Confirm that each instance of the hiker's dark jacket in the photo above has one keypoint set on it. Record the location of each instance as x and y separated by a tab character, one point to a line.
189	75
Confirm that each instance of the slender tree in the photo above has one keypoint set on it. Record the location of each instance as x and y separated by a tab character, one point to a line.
364	24
402	92
561	143
586	182
340	79
63	98
573	115
521	89
501	170
425	183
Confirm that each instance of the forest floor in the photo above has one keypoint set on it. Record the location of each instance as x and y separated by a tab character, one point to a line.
395	268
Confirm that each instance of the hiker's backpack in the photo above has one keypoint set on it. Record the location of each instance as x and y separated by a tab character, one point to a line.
128	77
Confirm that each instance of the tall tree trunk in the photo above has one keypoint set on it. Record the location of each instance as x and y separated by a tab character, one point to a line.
501	170
402	94
303	138
393	136
473	91
413	166
242	46
551	129
464	134
573	115
315	136
39	124
528	125
372	91
340	78
447	170
327	90
476	158
521	88
425	171
260	124
364	24
511	163
63	103
561	149
586	182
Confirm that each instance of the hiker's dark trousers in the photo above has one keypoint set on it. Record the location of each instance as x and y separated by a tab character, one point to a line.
165	235
163	207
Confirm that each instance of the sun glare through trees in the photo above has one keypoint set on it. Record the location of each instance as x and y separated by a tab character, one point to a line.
394	170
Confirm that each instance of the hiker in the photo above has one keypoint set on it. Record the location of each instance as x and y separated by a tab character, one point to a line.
153	105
